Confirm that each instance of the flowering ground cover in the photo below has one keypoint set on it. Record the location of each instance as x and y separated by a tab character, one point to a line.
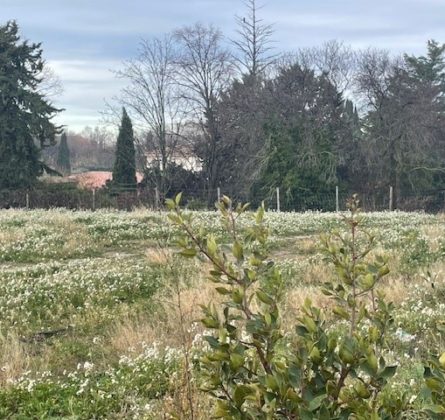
98	315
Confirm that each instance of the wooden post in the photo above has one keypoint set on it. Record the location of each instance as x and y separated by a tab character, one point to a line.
337	203
278	199
94	199
390	198
157	198
27	201
218	194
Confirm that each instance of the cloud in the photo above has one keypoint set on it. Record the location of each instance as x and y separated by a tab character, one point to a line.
87	84
84	39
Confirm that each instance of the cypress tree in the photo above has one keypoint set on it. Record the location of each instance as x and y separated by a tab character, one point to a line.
124	170
25	114
63	156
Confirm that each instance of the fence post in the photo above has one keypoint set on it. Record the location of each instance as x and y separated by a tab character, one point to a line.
218	193
278	200
157	198
94	199
337	203
27	201
390	198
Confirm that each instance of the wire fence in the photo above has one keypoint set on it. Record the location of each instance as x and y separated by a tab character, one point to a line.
128	199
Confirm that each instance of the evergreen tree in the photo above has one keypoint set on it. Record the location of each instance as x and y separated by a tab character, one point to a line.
25	114
124	170
63	156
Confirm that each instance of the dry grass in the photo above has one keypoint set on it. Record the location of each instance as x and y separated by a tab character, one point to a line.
76	235
396	289
8	236
14	360
129	333
159	256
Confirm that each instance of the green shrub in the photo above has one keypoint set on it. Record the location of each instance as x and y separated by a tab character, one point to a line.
250	370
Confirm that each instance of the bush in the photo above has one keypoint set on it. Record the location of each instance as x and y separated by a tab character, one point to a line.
250	370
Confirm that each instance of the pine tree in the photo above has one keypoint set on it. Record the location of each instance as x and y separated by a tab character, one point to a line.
124	170
25	114
63	156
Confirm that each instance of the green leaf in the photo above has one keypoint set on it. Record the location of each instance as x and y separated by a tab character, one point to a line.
237	296
310	324
189	252
435	409
346	355
175	218
223	291
388	372
237	251
264	297
434	384
210	323
271	382
316	402
371	362
315	355
361	390
213	342
170	204
212	247
260	214
236	361
241	393
368	281
384	271
222	409
341	312
442	360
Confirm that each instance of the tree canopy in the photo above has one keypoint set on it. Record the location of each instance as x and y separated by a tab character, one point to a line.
25	114
124	170
63	156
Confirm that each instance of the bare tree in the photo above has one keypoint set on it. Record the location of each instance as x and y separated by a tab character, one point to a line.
372	79
333	59
101	146
255	42
404	124
152	98
51	85
204	71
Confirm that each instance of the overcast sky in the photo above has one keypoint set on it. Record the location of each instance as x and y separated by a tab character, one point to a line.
84	39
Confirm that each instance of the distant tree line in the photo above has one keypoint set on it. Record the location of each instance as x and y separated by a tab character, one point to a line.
93	148
304	121
248	118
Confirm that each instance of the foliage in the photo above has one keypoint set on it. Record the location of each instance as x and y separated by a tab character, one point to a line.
175	179
434	375
405	121
250	370
124	169
302	180
304	132
93	306
25	113
89	393
63	156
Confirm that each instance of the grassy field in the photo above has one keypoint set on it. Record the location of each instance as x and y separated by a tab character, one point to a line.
99	317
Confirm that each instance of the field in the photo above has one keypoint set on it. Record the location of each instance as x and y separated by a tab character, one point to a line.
99	317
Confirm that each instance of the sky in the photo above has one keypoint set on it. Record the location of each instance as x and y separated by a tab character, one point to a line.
85	40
